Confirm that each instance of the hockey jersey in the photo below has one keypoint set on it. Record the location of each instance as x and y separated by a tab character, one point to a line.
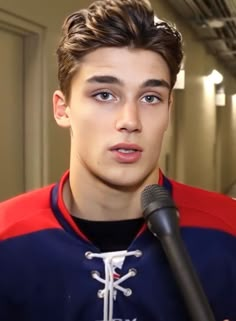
50	271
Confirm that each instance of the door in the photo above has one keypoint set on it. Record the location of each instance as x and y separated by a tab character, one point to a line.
11	115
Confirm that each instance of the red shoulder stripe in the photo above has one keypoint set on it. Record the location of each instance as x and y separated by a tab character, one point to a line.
27	213
205	209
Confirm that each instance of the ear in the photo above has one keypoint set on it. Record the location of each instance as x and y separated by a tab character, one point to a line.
61	110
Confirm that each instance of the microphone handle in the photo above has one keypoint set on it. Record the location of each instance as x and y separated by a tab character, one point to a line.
186	277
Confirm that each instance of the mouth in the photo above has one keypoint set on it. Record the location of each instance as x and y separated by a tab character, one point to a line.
126	153
126	148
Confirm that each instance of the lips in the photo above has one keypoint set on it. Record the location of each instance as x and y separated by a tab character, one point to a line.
126	146
126	153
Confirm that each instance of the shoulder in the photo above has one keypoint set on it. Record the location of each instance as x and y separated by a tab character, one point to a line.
204	208
31	199
26	213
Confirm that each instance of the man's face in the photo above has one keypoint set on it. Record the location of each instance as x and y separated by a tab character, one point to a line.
118	112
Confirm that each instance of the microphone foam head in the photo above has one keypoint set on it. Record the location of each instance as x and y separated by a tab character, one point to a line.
156	194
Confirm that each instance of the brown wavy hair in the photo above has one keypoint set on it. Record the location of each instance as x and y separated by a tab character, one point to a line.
116	23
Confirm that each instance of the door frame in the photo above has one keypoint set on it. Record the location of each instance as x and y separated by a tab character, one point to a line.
35	115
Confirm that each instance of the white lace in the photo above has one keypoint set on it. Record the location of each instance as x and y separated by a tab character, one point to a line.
108	293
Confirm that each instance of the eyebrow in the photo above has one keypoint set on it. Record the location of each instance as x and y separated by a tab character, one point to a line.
113	80
156	83
105	80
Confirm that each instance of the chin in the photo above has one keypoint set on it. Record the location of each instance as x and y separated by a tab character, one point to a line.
125	178
125	182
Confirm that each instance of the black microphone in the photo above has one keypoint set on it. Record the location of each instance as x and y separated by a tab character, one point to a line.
161	215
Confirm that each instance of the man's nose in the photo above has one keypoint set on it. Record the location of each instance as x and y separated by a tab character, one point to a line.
129	118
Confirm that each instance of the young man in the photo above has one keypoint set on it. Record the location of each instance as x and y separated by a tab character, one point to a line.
79	250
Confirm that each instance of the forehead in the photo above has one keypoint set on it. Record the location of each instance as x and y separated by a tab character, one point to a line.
132	66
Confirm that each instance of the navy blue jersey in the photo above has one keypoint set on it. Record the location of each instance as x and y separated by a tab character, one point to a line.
50	271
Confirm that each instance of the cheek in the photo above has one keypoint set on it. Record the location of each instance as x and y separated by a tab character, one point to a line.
89	128
82	121
157	125
156	131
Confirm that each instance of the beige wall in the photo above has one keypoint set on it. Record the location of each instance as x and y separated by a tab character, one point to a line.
191	145
202	145
51	17
226	133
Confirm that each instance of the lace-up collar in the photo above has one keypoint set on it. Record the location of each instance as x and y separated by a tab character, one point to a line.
112	282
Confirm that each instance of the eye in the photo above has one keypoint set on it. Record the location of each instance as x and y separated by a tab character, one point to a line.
151	99
104	96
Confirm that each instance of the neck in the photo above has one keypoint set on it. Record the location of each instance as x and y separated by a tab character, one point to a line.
90	198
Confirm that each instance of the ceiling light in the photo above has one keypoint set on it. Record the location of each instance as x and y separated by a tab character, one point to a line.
215	23
216	77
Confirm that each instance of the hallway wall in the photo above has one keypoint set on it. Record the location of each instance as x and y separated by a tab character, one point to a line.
199	148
